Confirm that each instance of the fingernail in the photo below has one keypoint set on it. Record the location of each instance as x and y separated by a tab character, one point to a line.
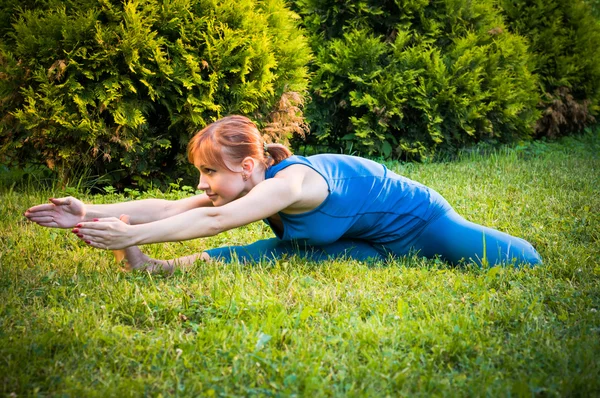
78	225
81	236
87	241
74	230
95	219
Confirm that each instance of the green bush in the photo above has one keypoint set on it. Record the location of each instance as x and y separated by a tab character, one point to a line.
407	78
121	86
564	38
595	5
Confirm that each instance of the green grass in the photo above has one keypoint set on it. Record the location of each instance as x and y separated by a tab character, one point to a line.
72	324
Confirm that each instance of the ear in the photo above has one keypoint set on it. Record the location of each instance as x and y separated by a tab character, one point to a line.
248	165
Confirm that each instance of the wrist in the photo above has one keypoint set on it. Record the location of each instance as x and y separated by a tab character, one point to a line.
85	216
137	235
89	213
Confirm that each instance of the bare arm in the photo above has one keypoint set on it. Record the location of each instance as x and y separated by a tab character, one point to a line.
266	199
68	212
263	201
147	210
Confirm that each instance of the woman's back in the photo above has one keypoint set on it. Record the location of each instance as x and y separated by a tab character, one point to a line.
366	201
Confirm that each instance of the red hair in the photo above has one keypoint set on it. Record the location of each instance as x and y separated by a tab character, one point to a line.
233	138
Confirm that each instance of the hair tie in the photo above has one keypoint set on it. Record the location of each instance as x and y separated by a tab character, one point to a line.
266	148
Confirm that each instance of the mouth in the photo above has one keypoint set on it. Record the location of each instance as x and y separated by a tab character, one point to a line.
211	196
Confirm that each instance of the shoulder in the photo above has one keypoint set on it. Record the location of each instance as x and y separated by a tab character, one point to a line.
329	166
308	187
293	171
293	179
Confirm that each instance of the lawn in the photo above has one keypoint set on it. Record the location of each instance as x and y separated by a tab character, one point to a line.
73	324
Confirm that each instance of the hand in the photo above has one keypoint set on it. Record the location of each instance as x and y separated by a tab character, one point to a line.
60	213
106	233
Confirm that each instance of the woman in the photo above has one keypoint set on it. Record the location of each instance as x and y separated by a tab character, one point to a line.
319	207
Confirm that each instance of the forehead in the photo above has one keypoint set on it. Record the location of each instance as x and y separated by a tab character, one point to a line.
209	155
214	161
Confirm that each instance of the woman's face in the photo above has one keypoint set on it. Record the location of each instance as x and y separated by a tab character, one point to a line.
220	184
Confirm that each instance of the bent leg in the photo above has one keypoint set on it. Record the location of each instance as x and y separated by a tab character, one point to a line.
136	260
273	249
454	239
267	249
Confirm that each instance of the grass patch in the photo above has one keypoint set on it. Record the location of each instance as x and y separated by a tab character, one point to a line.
71	324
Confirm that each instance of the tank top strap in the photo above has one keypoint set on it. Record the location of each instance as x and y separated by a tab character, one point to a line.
271	171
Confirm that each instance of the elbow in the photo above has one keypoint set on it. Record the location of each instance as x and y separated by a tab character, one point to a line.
169	208
215	222
214	228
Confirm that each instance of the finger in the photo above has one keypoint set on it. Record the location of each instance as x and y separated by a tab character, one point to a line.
101	224
42	213
96	235
97	245
85	226
41	219
61	201
106	219
85	239
125	218
44	207
88	240
52	224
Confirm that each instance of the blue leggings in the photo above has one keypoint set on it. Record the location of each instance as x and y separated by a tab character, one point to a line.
455	239
450	236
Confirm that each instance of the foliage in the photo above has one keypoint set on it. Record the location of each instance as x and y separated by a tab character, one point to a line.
286	120
71	324
595	5
121	86
408	77
563	114
564	38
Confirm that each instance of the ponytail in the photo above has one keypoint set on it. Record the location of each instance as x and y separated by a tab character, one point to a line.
277	153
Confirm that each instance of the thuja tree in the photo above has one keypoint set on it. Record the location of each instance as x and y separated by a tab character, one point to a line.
564	38
405	78
121	86
595	5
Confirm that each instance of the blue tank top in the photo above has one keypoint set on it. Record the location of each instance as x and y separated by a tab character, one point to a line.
366	201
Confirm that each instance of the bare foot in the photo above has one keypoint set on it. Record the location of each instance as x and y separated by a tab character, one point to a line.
136	260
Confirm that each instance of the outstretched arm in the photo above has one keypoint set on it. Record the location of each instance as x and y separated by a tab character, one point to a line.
147	210
68	212
266	199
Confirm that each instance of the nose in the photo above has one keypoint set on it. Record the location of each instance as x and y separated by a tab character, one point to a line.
203	184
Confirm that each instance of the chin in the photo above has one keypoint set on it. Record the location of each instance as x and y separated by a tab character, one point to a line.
220	202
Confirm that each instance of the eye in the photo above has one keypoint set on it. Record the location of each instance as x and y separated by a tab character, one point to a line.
206	171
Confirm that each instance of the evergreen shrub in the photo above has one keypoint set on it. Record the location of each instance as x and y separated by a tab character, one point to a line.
408	77
564	37
595	5
121	86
